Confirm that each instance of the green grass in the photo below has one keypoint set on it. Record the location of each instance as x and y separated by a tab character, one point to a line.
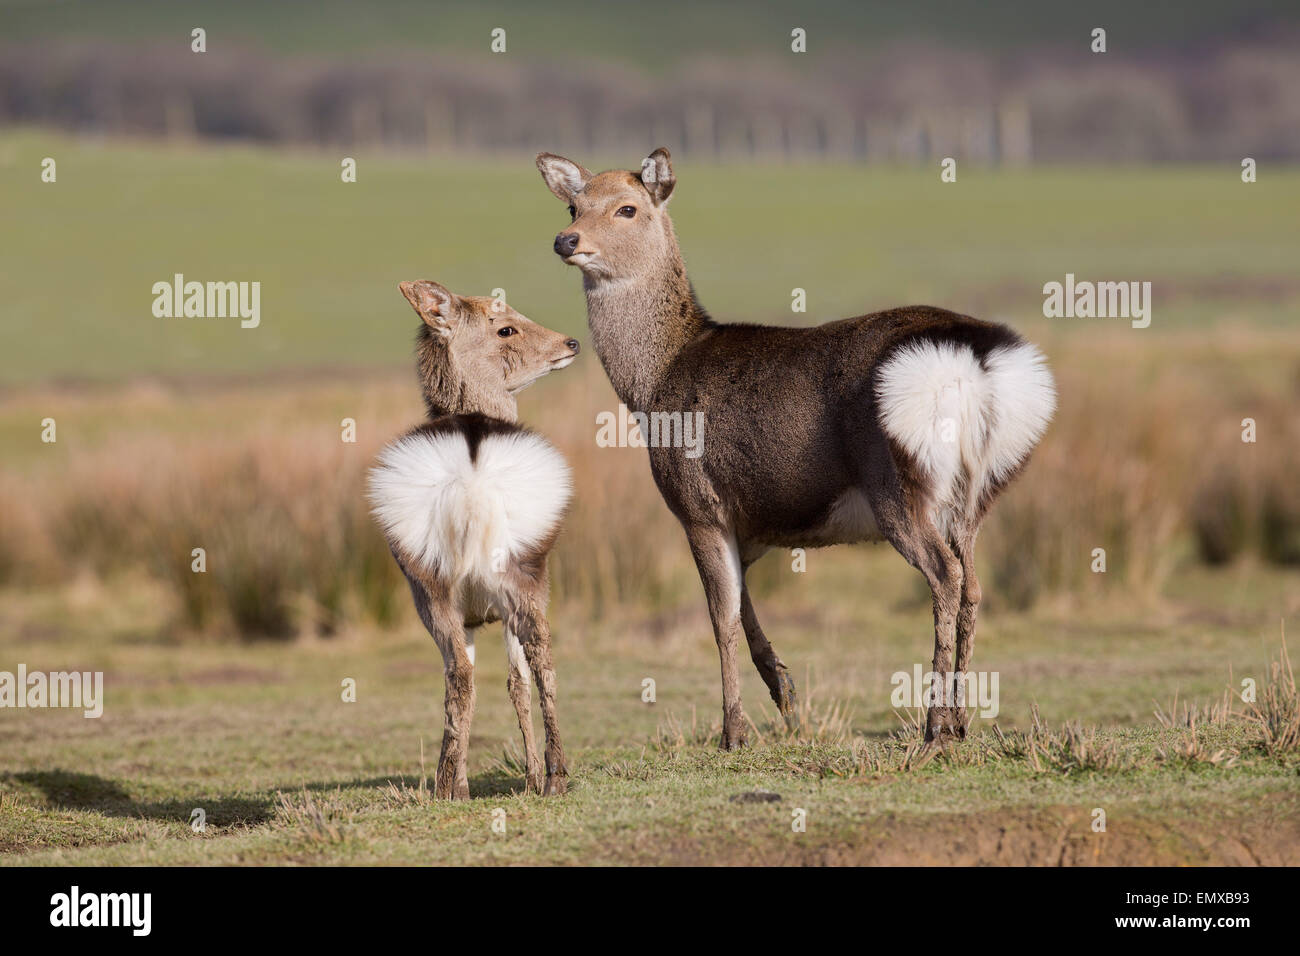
86	251
230	730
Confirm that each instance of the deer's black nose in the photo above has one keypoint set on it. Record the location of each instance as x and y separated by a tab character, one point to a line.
565	243
573	345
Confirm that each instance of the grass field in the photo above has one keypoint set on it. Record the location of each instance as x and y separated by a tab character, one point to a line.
229	729
173	432
79	273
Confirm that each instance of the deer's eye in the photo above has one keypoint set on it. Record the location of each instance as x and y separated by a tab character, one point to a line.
506	331
573	213
627	212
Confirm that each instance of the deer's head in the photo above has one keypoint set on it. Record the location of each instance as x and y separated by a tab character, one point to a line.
476	352
620	227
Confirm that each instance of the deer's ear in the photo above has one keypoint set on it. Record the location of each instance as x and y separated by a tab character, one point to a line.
432	302
563	176
657	175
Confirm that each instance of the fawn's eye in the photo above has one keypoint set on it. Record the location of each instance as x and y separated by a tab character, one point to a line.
573	213
627	212
506	331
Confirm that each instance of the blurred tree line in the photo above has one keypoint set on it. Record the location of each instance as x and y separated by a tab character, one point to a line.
912	104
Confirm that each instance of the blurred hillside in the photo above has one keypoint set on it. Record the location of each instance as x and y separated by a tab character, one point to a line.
1002	83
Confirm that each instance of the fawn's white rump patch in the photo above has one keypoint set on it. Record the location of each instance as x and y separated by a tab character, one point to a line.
457	517
966	424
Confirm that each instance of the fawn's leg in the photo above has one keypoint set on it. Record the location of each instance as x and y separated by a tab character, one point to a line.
446	625
529	624
520	689
458	703
718	561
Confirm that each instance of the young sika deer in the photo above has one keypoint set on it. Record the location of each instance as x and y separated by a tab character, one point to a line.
471	504
901	425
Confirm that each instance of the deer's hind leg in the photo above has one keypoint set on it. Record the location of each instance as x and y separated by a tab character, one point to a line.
900	504
966	615
458	707
526	620
535	638
926	550
446	625
520	688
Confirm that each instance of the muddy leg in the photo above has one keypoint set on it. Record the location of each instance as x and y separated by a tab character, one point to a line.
534	635
446	625
920	542
966	615
520	688
458	706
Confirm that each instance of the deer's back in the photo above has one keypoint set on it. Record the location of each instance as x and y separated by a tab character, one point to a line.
789	414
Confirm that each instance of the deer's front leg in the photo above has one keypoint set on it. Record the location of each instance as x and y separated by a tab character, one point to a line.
718	561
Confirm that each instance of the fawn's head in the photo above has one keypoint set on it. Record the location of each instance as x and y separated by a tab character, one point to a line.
475	352
621	227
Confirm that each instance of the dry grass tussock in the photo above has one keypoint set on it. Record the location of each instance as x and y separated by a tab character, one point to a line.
1147	464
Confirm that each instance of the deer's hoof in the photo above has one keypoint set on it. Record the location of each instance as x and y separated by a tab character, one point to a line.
944	723
788	701
734	739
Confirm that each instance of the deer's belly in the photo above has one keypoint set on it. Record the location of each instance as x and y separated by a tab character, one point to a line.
481	602
849	520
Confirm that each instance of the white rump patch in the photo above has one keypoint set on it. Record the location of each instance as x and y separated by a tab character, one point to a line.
966	426
459	518
1025	399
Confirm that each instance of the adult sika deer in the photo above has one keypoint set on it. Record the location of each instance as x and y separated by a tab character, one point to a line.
471	504
902	425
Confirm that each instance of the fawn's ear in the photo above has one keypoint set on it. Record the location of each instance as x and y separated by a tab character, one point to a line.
657	175
563	176
434	303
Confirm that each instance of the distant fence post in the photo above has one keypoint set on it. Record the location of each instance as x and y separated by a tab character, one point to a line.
1014	137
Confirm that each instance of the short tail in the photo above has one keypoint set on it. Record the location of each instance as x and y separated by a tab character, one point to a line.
967	420
478	529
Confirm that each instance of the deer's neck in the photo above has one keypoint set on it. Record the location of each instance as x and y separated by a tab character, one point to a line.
448	392
638	326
